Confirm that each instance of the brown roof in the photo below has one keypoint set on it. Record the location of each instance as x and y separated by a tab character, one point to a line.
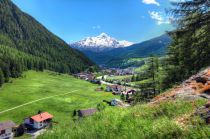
114	86
87	112
6	125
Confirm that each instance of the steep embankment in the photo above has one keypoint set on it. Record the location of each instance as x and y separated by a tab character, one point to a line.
195	87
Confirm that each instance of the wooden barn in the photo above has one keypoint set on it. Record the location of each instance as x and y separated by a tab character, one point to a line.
86	112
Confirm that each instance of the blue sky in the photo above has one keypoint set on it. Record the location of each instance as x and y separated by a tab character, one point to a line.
73	20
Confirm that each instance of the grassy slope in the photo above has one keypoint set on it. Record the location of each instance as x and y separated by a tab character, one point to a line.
35	85
140	122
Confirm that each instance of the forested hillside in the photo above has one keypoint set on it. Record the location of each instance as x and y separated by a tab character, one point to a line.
26	44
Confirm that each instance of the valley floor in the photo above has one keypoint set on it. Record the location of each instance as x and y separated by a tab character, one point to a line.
52	92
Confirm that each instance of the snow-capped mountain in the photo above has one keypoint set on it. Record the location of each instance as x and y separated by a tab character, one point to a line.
100	43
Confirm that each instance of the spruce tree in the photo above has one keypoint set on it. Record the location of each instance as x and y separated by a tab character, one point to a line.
1	77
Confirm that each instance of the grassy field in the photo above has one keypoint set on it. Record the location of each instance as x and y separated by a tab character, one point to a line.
37	85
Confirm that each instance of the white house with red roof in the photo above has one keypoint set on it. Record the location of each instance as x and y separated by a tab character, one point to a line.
39	121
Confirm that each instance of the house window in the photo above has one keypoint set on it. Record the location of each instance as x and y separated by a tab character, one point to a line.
2	132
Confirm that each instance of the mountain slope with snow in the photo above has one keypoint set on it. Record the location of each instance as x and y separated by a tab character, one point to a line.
100	43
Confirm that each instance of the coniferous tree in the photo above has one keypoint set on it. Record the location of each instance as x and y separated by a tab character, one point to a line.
1	77
190	48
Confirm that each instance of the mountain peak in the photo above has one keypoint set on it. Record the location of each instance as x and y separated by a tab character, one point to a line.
103	35
100	43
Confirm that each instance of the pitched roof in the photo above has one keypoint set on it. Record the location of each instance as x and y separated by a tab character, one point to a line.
114	86
6	125
41	117
87	112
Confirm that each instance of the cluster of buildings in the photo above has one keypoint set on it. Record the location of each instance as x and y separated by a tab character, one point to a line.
42	120
119	89
117	72
9	129
87	77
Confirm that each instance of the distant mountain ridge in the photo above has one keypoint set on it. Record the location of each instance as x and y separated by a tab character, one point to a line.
100	43
156	46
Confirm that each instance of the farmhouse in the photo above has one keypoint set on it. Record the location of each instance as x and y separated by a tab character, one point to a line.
6	129
114	88
39	121
87	112
117	102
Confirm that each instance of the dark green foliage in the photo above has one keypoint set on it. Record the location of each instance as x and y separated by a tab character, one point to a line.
133	78
25	44
1	77
151	88
101	106
122	97
20	130
190	48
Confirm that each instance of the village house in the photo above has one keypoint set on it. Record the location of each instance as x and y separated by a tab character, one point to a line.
86	112
117	89
39	121
6	129
96	81
117	102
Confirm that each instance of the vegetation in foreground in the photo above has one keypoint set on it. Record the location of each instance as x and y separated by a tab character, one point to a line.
170	119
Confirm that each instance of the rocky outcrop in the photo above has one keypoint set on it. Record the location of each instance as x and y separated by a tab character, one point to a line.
197	86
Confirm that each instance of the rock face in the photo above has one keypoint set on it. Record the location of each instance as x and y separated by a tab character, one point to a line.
197	86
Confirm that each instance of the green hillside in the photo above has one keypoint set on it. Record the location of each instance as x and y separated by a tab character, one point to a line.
38	85
21	37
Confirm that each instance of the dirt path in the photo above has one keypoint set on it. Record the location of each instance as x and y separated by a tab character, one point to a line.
36	101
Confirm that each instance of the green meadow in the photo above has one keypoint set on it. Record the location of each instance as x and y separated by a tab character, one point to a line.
34	85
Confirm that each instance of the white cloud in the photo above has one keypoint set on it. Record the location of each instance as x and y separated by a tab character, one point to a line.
159	18
96	27
151	2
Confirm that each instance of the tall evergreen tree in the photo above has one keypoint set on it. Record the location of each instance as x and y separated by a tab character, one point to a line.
190	48
1	77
